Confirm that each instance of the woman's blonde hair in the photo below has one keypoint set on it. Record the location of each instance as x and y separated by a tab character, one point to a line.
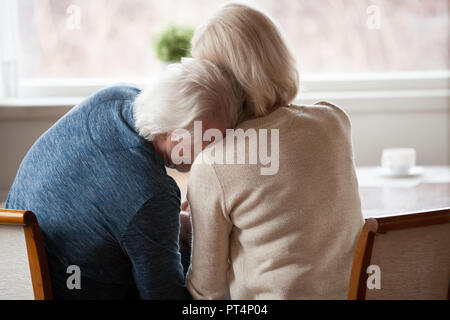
247	42
189	91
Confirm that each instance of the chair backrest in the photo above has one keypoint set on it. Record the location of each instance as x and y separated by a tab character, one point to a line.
24	271
412	253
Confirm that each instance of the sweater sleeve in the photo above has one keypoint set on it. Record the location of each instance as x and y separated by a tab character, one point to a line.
207	276
151	243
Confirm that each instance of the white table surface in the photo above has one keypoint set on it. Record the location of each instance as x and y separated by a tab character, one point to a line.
381	195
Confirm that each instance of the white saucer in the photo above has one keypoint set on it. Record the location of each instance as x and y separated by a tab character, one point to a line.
414	171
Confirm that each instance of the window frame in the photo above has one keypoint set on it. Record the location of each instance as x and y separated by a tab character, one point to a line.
309	83
358	92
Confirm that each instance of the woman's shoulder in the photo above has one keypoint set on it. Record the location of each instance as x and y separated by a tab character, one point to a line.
320	111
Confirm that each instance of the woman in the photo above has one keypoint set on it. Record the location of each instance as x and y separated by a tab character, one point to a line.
97	182
289	235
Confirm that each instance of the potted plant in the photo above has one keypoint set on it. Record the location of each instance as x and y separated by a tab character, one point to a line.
173	43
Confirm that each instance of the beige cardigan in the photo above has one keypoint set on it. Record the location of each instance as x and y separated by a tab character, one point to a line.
284	236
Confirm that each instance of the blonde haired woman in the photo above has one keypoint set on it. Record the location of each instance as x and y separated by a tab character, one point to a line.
290	235
249	44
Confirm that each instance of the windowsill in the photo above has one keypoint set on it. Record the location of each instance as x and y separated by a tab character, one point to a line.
36	108
40	102
356	93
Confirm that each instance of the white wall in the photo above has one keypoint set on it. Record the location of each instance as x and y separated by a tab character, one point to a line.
427	132
17	134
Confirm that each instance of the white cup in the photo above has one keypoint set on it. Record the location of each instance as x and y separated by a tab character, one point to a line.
398	160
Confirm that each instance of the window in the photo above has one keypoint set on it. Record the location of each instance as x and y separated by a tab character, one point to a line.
60	39
104	38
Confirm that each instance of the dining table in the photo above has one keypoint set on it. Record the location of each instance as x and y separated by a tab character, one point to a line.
384	195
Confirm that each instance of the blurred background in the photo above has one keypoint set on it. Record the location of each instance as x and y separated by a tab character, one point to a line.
111	38
386	62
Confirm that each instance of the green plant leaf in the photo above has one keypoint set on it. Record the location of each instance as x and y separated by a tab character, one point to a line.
174	43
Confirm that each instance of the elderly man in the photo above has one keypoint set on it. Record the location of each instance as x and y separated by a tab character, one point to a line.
97	182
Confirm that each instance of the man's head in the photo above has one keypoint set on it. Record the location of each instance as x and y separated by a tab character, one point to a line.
191	91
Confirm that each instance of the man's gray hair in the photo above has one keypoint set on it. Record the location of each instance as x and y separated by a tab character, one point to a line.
189	91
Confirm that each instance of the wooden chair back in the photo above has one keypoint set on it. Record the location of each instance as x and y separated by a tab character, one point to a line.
24	273
412	253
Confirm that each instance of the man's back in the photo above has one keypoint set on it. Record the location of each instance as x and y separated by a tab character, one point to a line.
292	233
94	184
